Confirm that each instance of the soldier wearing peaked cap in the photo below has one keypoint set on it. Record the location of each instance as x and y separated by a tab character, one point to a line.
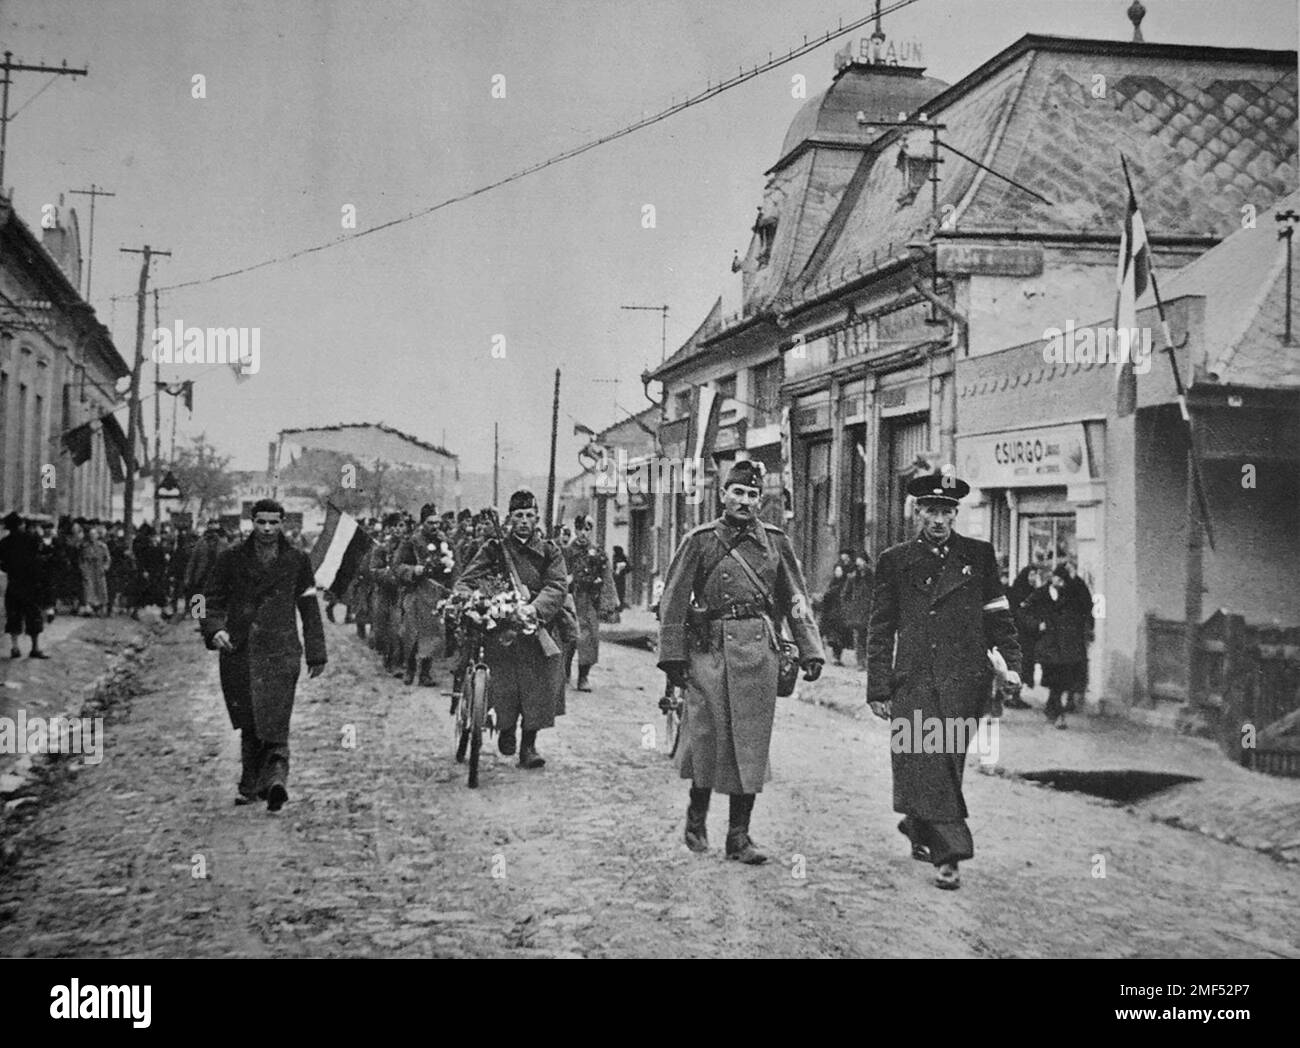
939	607
731	585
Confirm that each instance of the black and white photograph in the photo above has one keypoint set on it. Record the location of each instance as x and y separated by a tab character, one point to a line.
492	479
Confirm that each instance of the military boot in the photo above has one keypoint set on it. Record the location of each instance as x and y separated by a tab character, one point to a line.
697	829
528	755
739	845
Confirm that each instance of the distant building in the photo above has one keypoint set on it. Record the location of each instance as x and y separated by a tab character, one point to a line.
58	370
623	511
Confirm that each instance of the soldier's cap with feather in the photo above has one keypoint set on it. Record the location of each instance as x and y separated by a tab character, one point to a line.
746	472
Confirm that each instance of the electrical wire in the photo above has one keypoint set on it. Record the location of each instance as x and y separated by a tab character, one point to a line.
711	91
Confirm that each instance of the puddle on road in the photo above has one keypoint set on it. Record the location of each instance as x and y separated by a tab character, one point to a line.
1125	787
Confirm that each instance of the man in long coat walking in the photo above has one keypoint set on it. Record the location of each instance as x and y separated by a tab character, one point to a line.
718	637
259	590
423	567
589	580
938	608
527	681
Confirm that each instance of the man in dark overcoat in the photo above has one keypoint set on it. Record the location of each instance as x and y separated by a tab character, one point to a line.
718	636
25	587
938	608
423	567
259	590
527	680
589	578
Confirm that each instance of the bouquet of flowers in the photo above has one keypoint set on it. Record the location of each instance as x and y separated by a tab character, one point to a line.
439	559
497	610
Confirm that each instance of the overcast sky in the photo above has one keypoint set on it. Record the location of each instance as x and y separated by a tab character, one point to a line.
388	107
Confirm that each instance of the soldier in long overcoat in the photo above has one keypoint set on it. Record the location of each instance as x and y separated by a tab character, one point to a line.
938	607
718	635
588	581
423	566
387	608
252	605
527	680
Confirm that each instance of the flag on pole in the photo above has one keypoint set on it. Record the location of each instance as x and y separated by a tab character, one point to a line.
337	554
1132	278
702	429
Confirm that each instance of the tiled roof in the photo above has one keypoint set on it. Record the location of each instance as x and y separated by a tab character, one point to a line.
1243	281
1206	130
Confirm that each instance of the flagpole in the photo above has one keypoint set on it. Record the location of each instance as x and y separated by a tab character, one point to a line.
1198	513
1181	389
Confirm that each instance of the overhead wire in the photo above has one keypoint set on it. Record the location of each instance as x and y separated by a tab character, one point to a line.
711	91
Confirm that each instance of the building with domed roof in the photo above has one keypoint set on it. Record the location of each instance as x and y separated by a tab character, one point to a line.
899	278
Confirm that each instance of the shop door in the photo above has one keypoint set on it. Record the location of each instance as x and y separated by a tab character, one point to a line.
908	438
1047	539
818	545
855	449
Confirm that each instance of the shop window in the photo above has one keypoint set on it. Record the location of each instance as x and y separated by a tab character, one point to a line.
1049	539
765	231
767	393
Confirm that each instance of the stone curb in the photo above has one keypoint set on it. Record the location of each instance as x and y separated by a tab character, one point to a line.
36	775
1287	853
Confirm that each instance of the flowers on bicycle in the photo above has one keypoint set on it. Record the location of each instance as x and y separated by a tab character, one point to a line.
499	609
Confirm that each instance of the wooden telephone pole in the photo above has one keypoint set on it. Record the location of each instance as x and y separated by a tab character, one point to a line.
133	399
9	66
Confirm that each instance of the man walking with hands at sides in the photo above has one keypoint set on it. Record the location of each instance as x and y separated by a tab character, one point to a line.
940	598
731	585
258	591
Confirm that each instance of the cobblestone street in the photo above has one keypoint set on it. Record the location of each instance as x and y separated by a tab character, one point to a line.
383	850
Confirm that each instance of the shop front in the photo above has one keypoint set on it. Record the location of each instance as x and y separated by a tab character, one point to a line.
1037	495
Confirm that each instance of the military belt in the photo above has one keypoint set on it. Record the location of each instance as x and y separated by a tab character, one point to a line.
738	610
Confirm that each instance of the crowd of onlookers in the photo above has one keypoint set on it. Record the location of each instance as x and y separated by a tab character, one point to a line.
80	566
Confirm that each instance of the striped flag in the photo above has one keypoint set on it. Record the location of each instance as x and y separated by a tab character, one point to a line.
1132	278
338	552
702	429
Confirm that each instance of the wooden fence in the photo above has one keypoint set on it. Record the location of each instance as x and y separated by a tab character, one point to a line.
1246	679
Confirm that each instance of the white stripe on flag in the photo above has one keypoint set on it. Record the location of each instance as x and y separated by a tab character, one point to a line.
329	567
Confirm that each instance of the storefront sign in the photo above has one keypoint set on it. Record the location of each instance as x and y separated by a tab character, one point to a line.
989	260
1042	457
904	400
731	437
812	413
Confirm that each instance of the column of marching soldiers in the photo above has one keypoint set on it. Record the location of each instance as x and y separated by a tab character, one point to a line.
395	598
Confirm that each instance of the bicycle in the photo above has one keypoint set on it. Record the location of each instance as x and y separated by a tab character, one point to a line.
469	704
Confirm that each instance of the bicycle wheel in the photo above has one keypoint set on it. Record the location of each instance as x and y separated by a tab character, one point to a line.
461	723
476	716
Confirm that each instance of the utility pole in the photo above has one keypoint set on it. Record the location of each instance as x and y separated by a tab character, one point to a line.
9	66
496	464
157	421
663	327
92	192
550	480
133	398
